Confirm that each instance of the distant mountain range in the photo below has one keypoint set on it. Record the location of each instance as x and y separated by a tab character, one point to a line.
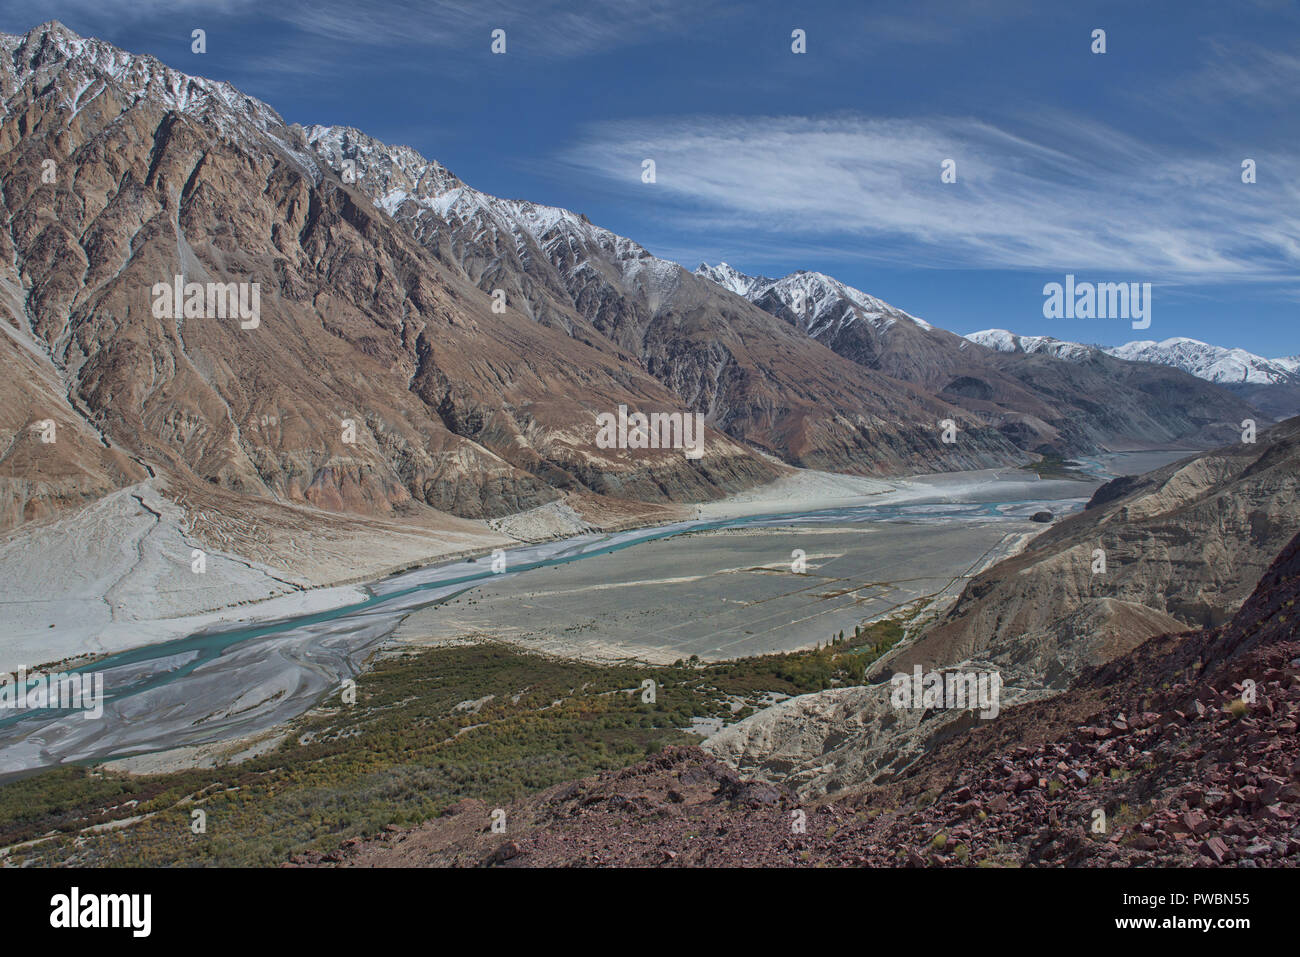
468	342
1211	363
1041	406
1273	385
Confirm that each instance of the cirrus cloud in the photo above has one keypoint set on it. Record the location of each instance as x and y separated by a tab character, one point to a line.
1062	193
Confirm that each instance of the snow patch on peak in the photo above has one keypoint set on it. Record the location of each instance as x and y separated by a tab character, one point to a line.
409	187
76	69
820	301
1001	340
392	173
1209	362
1212	363
732	279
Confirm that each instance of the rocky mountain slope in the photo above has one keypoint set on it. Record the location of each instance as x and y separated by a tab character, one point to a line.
1181	752
375	380
468	342
757	378
1270	385
381	377
1212	363
1040	406
1187	541
1183	546
422	348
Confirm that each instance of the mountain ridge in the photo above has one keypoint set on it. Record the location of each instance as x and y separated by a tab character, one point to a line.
1041	405
1221	364
760	380
1270	385
472	337
455	407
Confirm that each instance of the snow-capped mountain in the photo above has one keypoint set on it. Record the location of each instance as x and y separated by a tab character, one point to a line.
1000	340
1272	386
497	241
1038	404
818	300
380	272
458	407
632	321
849	322
700	334
400	178
1212	363
716	349
733	279
91	71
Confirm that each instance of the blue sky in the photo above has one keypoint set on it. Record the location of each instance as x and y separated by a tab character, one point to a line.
1123	166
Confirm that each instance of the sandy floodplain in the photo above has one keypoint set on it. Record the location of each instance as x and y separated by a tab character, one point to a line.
721	594
719	583
733	592
120	573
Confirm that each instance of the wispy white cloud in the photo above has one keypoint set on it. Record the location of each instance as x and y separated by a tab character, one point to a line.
542	28
1238	73
539	27
33	12
1062	193
924	22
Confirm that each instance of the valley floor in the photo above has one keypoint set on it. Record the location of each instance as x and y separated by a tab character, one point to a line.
722	594
119	573
707	592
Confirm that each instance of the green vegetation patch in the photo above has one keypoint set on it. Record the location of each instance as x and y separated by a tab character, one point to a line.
420	737
1054	466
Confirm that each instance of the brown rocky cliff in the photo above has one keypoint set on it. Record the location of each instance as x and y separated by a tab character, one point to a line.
455	407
